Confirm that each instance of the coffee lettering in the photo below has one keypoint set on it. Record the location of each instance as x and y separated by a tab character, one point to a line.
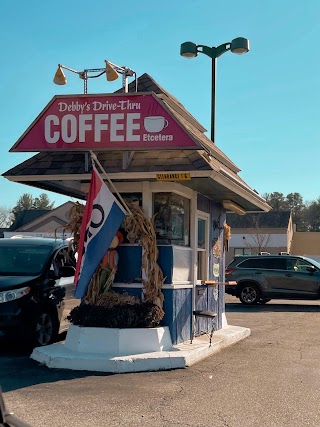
117	127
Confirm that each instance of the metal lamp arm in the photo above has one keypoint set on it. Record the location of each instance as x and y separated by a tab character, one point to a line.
69	69
84	73
123	70
214	52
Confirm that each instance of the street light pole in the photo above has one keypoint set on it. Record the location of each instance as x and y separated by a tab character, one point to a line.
189	50
213	100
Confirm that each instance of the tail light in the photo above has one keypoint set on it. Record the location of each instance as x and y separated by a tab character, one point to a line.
228	271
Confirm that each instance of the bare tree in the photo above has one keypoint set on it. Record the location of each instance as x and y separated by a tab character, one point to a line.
259	240
6	217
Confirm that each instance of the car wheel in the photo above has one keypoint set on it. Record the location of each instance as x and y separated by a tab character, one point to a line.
45	328
249	294
264	300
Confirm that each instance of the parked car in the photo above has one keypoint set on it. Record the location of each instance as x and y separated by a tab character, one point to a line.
36	288
260	278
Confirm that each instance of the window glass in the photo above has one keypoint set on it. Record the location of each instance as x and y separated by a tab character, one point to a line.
201	233
132	197
23	259
172	219
298	264
266	263
202	250
63	258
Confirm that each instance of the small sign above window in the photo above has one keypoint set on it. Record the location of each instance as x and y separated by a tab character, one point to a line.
173	177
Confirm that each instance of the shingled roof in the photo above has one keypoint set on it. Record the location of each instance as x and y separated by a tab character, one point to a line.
147	84
26	216
214	174
273	219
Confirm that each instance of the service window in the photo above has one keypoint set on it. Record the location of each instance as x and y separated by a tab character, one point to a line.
171	219
131	197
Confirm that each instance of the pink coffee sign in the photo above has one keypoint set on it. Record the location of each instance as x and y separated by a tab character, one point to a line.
104	122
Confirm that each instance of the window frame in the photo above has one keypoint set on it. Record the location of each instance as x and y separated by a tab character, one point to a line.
205	251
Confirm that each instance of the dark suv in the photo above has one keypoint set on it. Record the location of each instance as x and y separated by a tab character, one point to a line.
260	278
36	288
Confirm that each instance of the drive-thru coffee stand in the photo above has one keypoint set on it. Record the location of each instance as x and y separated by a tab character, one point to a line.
155	152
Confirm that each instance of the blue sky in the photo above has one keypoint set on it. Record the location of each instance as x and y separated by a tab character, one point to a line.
267	104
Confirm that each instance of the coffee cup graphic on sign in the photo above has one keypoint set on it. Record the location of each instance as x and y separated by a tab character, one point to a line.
154	124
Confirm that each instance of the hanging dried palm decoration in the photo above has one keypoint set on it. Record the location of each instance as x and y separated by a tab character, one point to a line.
226	236
216	248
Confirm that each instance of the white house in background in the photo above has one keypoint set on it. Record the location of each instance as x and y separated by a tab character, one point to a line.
49	224
257	232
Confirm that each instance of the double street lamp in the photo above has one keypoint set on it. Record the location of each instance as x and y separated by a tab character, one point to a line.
189	50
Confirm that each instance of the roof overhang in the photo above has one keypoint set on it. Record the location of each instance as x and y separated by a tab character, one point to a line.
213	184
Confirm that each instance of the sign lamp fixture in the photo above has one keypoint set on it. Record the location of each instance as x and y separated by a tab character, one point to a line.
111	71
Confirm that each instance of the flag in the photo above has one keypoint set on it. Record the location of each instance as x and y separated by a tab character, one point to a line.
101	219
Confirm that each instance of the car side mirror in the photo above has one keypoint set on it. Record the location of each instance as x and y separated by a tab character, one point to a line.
67	271
311	269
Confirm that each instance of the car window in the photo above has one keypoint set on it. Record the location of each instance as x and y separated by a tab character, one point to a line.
265	263
62	258
23	260
298	265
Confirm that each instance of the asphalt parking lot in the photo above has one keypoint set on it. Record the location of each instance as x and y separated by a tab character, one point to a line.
271	378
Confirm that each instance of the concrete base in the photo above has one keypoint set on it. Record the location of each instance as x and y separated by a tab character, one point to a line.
118	342
179	356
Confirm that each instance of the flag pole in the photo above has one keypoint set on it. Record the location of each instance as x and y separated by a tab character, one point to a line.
94	158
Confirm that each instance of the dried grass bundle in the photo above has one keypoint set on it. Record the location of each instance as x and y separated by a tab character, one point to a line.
111	299
227	231
227	236
75	216
140	228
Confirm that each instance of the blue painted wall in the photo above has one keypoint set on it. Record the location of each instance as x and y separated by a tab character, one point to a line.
212	298
130	259
178	308
178	301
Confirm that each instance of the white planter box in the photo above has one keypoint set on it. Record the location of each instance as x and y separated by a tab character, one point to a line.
118	342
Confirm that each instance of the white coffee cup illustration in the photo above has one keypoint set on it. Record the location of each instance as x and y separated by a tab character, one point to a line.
155	123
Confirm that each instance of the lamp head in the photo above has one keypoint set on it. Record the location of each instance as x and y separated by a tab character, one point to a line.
111	73
188	50
59	77
240	45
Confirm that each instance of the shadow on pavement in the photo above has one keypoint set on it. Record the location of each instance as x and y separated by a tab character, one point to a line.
18	371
